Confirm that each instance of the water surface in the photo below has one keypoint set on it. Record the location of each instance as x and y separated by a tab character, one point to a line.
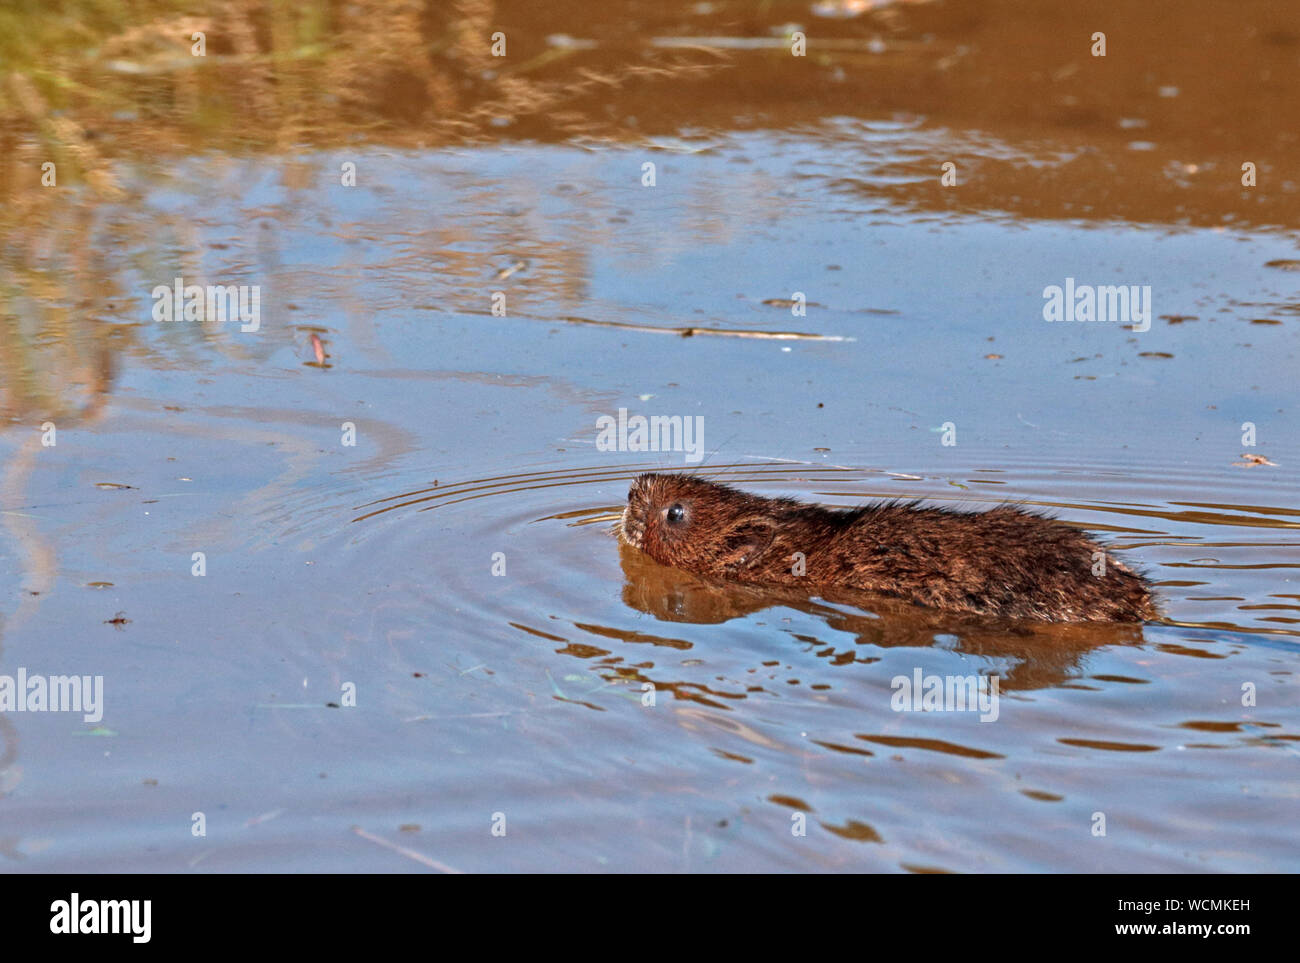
520	698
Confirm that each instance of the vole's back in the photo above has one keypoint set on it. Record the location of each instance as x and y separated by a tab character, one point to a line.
1002	562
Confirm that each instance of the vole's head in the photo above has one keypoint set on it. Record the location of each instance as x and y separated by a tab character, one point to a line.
690	523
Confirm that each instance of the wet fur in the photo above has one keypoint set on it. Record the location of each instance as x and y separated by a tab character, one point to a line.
1004	562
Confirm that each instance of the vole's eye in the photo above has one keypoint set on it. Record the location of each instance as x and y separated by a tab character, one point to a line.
676	514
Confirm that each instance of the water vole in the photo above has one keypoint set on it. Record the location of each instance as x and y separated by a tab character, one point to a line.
1003	562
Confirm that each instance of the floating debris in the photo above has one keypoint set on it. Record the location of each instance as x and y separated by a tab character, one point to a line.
263	818
787	303
566	42
1248	460
411	854
515	268
845	9
691	331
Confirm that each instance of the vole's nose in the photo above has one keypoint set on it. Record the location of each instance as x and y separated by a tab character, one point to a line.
631	528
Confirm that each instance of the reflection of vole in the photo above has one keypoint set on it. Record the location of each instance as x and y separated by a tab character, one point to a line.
1034	654
1003	562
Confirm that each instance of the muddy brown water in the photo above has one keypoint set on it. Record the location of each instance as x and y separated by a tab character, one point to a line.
402	501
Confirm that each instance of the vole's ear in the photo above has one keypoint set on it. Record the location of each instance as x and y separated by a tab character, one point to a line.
745	544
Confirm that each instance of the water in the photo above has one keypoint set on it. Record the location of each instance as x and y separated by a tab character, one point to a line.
336	573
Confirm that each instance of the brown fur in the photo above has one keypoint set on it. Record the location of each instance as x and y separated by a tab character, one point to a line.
1004	562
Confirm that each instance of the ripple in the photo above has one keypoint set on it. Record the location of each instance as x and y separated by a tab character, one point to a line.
930	745
1108	746
1167	536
